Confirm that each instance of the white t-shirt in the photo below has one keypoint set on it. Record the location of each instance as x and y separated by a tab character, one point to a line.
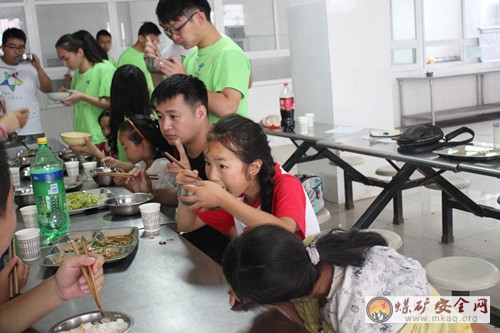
19	86
159	167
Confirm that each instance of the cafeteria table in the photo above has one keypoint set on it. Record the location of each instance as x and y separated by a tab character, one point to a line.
171	287
309	141
430	165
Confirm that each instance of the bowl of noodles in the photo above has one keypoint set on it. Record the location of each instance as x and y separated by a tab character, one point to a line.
118	322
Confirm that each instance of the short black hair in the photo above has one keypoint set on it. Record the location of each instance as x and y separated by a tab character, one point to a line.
102	33
191	88
13	33
172	10
149	28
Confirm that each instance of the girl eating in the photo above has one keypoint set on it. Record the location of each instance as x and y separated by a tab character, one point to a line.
246	188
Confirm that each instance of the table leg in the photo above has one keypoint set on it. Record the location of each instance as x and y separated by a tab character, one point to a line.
395	185
297	155
397	203
447	219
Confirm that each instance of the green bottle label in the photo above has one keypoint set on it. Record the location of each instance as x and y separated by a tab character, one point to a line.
48	183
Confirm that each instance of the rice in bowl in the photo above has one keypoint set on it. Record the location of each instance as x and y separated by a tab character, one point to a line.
104	326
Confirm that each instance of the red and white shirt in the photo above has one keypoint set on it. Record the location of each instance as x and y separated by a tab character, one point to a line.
289	199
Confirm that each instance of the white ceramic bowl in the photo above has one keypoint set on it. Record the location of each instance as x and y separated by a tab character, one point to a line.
75	138
58	95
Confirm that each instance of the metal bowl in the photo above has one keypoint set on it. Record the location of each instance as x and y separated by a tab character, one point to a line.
23	196
127	204
75	321
26	57
102	180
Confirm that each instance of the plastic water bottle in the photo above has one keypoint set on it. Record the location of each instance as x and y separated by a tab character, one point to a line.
287	105
50	195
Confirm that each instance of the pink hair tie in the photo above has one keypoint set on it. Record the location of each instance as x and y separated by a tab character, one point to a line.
313	253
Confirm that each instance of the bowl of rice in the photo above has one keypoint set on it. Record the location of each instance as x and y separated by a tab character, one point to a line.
113	322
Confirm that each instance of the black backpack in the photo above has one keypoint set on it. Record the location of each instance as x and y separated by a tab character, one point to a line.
427	138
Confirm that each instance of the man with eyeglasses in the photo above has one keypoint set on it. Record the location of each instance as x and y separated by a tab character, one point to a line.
218	61
20	82
134	55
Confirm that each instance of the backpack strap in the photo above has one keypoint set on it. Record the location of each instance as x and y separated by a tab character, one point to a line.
448	137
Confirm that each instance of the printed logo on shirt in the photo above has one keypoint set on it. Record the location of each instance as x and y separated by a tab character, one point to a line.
11	80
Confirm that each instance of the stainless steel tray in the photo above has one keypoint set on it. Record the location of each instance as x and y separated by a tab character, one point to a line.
54	255
101	194
470	152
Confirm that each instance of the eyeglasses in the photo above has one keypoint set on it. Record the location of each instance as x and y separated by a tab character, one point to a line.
136	129
17	48
171	32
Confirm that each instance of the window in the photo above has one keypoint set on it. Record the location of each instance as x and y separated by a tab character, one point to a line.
12	17
446	32
258	26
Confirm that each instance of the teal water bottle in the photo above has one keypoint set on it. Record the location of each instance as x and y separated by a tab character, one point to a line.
50	195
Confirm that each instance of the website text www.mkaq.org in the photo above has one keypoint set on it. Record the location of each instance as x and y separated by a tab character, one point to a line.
456	319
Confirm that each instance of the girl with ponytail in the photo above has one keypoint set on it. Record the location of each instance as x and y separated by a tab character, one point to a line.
91	82
245	183
323	285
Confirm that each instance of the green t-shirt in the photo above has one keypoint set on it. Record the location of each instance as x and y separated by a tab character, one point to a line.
112	60
133	57
221	65
96	82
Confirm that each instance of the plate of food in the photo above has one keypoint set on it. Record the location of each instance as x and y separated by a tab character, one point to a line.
470	152
113	244
79	202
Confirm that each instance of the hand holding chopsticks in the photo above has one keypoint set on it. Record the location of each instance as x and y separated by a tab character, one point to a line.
89	275
13	282
178	163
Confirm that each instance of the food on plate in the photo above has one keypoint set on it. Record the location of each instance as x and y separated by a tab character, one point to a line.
79	200
105	326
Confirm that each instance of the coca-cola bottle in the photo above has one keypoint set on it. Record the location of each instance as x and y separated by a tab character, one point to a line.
287	109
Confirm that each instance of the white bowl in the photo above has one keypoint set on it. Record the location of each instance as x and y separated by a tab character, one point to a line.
58	95
75	138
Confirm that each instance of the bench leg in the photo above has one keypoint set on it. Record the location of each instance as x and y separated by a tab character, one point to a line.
447	219
349	202
397	203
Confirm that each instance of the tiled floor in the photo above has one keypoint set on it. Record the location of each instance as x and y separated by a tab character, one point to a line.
421	231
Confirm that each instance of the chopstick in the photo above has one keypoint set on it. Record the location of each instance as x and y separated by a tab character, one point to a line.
124	175
178	163
13	283
88	274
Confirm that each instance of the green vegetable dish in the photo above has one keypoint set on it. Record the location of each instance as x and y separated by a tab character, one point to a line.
82	200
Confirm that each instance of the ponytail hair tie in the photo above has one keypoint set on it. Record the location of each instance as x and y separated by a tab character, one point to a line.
313	253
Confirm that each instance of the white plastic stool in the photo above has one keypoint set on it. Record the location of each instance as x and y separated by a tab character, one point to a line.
447	210
323	216
393	239
462	274
388	170
457	181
